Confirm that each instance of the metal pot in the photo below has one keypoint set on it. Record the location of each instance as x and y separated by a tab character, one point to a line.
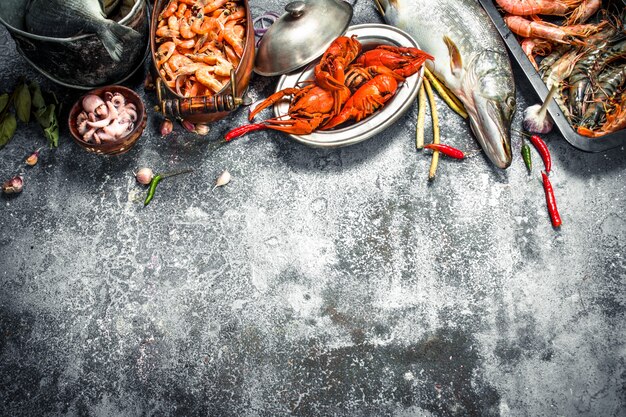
80	61
205	109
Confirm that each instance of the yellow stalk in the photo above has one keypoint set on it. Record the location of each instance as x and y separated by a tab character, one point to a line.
421	116
447	95
433	112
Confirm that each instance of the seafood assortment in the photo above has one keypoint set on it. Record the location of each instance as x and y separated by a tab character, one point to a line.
106	120
199	43
584	61
471	60
67	18
347	85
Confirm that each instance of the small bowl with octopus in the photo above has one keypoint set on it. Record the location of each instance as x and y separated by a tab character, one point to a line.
108	120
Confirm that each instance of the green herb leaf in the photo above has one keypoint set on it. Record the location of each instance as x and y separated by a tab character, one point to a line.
22	103
37	98
8	124
46	115
52	134
4	100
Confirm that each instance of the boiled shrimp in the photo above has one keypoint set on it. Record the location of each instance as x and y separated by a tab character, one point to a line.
205	76
539	29
169	10
583	12
536	46
534	7
165	52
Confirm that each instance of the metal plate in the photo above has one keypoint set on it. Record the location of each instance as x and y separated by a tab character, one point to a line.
369	35
584	143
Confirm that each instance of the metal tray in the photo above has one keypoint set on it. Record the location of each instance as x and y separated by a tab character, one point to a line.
584	143
369	34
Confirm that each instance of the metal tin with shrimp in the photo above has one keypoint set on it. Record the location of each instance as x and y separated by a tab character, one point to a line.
210	106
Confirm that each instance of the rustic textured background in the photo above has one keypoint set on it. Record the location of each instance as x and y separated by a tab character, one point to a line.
317	283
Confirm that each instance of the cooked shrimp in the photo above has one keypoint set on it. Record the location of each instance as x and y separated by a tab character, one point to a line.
233	35
536	46
539	29
209	6
165	52
206	25
532	7
169	10
210	59
184	44
172	23
191	68
185	29
166	32
180	12
231	55
583	12
238	13
205	77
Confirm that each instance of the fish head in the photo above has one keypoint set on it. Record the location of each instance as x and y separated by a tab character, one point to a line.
491	104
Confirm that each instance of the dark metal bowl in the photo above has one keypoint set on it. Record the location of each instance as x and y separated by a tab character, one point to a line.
80	61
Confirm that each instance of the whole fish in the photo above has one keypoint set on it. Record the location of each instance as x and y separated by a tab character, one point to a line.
470	58
67	18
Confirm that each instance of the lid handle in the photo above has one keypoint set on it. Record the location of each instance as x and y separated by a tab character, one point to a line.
295	8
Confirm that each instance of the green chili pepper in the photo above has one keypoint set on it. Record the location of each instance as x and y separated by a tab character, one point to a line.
157	179
526	156
152	188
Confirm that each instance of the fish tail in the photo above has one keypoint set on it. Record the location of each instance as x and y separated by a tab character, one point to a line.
111	36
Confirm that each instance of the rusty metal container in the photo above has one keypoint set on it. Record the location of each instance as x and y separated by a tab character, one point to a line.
80	61
205	109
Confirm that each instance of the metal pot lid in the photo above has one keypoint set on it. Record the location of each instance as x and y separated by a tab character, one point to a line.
301	35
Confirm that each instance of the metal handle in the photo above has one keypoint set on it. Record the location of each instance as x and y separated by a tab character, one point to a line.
296	8
180	108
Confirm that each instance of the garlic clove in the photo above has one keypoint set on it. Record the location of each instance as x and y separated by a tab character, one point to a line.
13	185
189	127
166	127
33	158
536	120
144	176
222	180
202	129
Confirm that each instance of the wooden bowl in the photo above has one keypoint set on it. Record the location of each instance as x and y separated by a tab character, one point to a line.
123	144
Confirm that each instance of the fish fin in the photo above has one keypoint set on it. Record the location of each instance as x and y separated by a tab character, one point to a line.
456	61
111	36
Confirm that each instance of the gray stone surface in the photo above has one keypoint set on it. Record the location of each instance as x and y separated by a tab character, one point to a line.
317	283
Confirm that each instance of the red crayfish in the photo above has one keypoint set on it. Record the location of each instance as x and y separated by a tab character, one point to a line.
341	90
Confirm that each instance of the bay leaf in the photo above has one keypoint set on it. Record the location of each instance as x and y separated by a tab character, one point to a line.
46	115
4	100
8	124
22	102
37	98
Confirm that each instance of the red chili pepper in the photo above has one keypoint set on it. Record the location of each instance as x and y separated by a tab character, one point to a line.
242	130
446	150
551	201
542	148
